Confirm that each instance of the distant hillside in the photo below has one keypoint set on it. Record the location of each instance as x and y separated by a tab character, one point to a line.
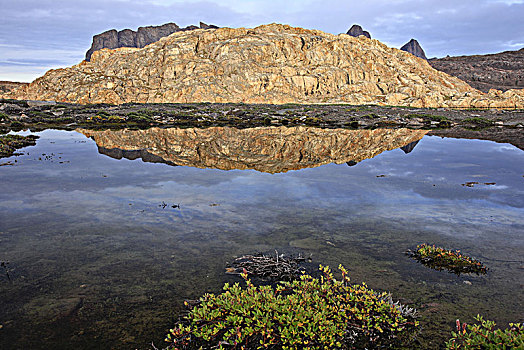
501	71
6	86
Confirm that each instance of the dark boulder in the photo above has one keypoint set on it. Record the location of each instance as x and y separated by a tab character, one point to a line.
357	31
414	48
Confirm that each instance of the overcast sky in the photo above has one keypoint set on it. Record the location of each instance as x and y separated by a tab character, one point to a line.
37	35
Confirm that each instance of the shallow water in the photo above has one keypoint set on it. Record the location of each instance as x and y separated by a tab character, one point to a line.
96	261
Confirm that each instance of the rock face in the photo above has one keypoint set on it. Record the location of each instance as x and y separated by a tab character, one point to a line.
144	36
357	31
414	48
268	64
267	149
501	71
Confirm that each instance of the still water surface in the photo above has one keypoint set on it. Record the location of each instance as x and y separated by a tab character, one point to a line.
97	261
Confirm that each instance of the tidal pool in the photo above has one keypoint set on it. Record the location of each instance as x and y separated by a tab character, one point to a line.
95	260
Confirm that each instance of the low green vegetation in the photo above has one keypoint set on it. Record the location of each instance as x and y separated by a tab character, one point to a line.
106	119
479	121
485	336
139	117
309	313
3	117
444	259
371	116
10	143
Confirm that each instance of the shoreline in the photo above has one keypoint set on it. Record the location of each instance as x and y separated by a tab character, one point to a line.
499	125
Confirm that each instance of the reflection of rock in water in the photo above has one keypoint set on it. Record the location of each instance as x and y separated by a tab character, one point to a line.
268	149
409	147
132	155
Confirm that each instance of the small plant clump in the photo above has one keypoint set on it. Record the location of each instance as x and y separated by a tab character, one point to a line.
267	267
308	313
439	259
485	336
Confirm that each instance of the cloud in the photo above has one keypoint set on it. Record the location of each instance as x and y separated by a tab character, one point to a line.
443	27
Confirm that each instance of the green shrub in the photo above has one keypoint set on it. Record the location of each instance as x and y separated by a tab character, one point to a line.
485	336
439	259
3	116
307	313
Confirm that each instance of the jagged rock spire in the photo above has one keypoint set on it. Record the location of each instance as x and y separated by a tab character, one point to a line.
414	48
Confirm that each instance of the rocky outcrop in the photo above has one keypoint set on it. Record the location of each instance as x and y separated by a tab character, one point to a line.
267	149
501	71
357	31
268	64
144	36
6	86
414	48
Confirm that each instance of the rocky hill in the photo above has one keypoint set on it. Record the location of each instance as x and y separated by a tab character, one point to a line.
268	64
501	71
265	149
144	36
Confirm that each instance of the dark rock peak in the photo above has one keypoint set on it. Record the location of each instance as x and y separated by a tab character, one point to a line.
409	147
414	48
144	36
357	31
207	26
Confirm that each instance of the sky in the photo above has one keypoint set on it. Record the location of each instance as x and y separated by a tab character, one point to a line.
38	35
